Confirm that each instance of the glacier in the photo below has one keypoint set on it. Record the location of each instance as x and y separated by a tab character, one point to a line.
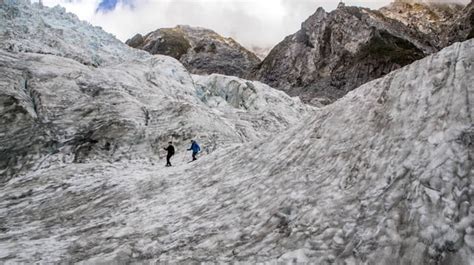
382	176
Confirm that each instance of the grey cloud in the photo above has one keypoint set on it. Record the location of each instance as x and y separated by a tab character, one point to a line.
243	20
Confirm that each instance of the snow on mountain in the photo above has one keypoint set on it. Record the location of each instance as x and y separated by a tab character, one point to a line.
265	109
54	31
382	176
60	106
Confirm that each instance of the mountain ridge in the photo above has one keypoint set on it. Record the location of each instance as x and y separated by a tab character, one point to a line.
201	50
326	58
330	54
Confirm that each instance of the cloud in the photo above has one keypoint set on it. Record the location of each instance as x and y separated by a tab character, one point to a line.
106	5
252	22
110	5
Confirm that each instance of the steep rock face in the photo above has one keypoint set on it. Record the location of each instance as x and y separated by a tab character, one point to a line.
432	19
58	105
463	27
201	51
335	52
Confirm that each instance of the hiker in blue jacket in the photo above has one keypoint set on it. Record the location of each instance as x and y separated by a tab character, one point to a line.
195	148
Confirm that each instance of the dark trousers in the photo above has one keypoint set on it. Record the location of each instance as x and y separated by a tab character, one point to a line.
194	156
168	163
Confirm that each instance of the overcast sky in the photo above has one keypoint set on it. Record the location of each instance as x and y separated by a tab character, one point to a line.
261	23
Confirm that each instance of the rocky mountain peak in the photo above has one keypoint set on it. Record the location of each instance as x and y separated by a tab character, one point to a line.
335	52
411	1
427	2
201	50
314	20
429	18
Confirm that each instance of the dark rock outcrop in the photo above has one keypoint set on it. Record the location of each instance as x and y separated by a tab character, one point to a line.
431	19
462	28
201	51
336	52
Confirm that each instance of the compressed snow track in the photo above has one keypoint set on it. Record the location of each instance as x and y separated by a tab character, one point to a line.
383	176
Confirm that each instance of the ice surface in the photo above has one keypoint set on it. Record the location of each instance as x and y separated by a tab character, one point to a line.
382	176
62	107
54	31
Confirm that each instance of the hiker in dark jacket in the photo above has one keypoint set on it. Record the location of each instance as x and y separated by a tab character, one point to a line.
195	148
170	150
